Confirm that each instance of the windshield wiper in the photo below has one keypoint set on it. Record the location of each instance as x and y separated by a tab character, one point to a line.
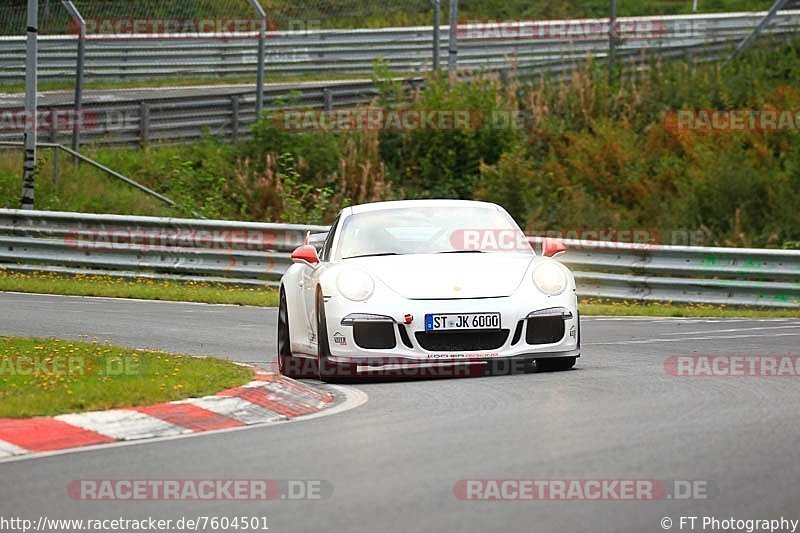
383	254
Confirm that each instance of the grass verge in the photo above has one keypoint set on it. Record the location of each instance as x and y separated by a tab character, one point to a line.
46	377
142	289
665	309
176	82
84	285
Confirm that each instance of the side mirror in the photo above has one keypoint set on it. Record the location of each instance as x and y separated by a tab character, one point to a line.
306	254
552	247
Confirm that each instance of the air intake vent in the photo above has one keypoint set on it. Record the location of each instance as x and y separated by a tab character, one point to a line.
544	330
374	335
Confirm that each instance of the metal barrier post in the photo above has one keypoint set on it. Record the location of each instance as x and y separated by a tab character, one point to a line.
79	72
53	131
262	36
612	39
56	177
144	124
453	48
31	121
235	117
437	23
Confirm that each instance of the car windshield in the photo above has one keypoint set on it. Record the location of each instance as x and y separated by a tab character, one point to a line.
430	230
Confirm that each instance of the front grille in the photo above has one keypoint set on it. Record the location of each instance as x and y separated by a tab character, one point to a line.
544	330
460	341
374	335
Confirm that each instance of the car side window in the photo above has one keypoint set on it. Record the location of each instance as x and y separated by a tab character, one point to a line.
326	248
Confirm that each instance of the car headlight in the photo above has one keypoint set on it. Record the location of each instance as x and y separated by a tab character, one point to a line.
355	285
550	278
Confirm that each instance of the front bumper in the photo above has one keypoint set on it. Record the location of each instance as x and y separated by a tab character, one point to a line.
409	315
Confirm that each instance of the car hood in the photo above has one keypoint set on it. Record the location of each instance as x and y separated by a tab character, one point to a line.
448	276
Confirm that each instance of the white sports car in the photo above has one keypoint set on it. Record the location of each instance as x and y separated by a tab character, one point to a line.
425	282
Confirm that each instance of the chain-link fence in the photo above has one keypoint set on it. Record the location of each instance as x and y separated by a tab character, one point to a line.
170	42
281	14
351	14
54	19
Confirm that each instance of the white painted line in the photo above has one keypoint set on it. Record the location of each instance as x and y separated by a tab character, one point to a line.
633	318
718	337
10	450
687	319
621	318
730	330
353	399
134	300
237	409
253	384
123	424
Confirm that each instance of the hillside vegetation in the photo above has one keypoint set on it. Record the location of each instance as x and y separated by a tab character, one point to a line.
590	153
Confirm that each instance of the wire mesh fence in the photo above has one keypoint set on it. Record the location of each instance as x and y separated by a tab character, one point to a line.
281	14
349	14
54	19
343	14
222	39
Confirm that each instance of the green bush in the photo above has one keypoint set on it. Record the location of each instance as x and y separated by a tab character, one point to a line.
429	163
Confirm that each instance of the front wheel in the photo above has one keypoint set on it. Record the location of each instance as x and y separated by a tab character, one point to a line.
555	364
288	365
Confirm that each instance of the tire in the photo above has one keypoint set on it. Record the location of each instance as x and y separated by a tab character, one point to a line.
555	364
326	370
288	365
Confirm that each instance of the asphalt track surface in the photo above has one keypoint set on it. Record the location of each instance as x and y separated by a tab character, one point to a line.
393	462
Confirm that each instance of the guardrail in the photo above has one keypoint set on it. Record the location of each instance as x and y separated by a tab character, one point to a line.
407	49
257	254
160	248
228	113
189	114
735	276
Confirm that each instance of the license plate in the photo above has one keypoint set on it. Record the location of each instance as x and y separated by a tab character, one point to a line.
458	321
